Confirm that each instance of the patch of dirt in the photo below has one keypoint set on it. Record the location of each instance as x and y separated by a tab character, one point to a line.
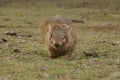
1	26
92	54
11	33
2	40
16	51
112	43
105	28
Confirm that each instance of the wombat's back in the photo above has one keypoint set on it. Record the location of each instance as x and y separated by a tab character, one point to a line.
59	19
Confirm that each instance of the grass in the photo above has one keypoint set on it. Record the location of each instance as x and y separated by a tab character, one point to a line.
100	34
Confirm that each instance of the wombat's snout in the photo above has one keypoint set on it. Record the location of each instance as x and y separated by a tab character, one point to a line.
57	45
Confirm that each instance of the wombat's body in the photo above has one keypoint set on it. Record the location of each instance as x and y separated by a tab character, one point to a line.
59	36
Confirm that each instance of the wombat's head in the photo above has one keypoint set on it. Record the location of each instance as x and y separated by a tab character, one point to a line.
58	36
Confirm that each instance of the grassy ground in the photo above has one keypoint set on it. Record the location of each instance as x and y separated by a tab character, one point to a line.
24	57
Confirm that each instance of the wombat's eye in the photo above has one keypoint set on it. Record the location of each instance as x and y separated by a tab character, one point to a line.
63	38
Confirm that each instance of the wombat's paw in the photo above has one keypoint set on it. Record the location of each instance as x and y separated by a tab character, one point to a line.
52	56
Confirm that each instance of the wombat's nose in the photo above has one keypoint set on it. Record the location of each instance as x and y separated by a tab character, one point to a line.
57	45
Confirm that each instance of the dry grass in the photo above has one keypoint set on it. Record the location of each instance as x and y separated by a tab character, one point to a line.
23	56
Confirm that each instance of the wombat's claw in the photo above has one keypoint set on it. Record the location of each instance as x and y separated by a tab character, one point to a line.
52	56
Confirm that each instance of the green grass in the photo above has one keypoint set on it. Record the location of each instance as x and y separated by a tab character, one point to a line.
99	34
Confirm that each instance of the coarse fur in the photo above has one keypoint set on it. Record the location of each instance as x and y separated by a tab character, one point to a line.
59	36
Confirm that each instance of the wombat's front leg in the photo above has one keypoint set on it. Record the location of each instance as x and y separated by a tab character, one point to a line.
51	54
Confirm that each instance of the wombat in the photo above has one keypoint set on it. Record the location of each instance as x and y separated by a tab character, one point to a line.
59	36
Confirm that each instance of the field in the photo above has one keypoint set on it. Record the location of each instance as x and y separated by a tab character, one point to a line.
23	55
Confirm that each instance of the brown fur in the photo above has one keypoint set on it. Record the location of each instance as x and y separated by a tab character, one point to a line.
59	36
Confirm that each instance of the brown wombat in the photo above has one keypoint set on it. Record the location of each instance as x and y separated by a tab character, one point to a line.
59	36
